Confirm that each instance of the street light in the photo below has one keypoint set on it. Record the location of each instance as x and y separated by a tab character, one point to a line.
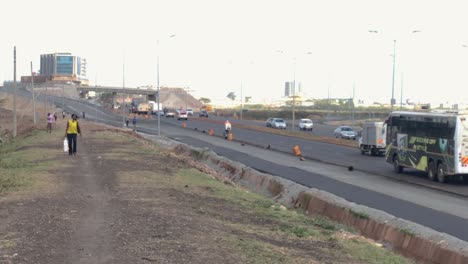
392	100
294	88
123	87
159	95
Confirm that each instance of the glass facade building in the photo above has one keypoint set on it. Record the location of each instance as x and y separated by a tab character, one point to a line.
63	66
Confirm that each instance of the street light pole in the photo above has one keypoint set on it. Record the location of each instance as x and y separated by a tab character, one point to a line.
123	95
14	94
33	96
159	90
401	93
159	94
242	103
392	101
294	95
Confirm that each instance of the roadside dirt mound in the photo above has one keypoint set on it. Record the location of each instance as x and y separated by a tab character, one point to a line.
175	98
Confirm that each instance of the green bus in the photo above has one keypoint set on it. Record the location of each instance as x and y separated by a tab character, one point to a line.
434	142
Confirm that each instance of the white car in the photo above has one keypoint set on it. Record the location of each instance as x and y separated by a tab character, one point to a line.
306	124
170	114
182	115
189	111
276	123
345	132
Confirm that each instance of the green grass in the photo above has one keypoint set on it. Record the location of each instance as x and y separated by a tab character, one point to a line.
256	252
18	165
360	215
407	232
369	253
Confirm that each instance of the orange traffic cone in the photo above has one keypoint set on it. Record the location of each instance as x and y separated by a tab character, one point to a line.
296	150
210	131
184	125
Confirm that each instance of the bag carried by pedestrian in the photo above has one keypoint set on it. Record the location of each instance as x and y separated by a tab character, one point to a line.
65	145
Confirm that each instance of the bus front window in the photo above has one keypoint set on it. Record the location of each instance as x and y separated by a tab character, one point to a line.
464	135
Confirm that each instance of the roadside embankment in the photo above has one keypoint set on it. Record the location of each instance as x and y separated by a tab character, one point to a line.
415	241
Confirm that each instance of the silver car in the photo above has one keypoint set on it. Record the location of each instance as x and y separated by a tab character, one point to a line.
345	132
276	123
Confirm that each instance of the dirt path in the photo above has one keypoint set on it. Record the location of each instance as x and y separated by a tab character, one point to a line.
122	200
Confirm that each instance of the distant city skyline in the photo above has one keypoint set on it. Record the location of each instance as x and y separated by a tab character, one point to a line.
215	47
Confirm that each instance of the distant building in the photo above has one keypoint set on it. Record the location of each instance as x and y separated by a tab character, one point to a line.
60	68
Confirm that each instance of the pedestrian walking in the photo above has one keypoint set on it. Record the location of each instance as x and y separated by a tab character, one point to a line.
63	114
50	120
55	116
71	132
84	115
134	122
127	121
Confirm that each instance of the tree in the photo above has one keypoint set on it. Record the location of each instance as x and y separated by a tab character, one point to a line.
247	98
205	100
231	96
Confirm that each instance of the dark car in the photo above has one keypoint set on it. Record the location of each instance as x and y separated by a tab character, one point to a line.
203	113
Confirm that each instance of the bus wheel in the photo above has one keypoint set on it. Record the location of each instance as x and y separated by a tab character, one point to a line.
431	171
441	173
396	165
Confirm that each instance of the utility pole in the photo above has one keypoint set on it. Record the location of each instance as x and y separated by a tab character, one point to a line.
242	103
352	101
392	101
14	94
45	102
294	95
123	95
401	93
159	93
33	96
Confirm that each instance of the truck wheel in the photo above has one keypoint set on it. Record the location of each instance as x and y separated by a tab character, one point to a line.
363	151
396	165
441	177
431	171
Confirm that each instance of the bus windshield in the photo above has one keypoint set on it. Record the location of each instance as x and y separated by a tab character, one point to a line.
464	134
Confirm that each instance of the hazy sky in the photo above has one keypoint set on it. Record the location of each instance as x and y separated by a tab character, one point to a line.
221	44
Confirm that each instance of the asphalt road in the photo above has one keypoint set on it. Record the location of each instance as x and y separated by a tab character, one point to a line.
319	129
325	152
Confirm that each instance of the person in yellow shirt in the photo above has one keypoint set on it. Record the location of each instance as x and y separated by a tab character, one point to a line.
71	132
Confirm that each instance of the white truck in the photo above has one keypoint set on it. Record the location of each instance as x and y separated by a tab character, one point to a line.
372	138
154	107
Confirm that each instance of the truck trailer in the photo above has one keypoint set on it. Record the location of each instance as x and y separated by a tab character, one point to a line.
372	138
